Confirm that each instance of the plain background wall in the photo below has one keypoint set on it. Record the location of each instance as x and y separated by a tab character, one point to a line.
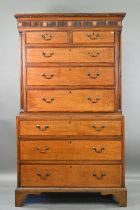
10	67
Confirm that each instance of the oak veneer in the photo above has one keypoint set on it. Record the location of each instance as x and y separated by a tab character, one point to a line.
48	76
71	54
89	37
71	100
71	175
70	127
70	150
46	37
70	131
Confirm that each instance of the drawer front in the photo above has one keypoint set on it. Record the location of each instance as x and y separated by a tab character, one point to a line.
90	37
70	100
70	127
70	76
71	175
47	55
46	37
70	150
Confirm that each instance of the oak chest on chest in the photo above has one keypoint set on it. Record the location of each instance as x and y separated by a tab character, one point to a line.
70	130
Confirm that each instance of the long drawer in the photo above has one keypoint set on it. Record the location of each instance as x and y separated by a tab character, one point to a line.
70	175
70	150
81	54
70	76
70	127
71	100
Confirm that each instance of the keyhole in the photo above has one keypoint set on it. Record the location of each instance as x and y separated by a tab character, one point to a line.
70	91
70	122
70	50
70	166
70	142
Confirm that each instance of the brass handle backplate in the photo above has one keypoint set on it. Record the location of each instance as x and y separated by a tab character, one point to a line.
50	76
93	36
94	54
42	150
48	101
95	100
98	150
47	37
98	128
42	128
48	54
42	176
99	176
93	76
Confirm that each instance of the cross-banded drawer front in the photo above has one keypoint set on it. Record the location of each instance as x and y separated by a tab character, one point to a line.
70	100
71	175
46	76
70	150
86	54
91	37
70	127
46	37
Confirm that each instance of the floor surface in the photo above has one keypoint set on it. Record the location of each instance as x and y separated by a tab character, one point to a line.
69	201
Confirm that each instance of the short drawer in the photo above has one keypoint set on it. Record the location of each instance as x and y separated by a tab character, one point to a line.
90	37
46	37
70	150
70	127
70	175
86	54
71	100
46	76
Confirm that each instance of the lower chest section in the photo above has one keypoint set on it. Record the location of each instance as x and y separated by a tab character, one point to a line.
70	150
